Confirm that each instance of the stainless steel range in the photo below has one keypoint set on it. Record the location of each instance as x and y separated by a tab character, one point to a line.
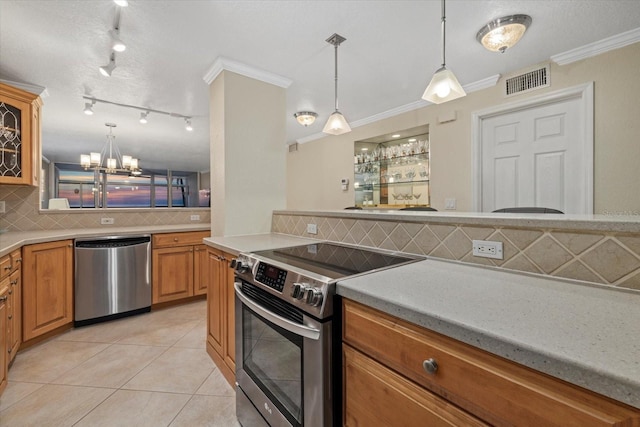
285	362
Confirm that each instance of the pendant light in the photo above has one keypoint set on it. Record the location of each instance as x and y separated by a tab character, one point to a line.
337	124
444	85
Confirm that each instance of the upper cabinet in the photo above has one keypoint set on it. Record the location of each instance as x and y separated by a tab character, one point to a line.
19	136
393	170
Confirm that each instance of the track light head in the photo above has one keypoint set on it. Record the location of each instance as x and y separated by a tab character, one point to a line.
116	42
143	117
106	70
88	108
187	125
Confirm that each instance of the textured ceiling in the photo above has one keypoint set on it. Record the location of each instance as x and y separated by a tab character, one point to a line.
391	51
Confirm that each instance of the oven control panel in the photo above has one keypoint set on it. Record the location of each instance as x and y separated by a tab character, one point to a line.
271	276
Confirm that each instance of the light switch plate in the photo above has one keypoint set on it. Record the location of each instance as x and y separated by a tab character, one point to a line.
312	228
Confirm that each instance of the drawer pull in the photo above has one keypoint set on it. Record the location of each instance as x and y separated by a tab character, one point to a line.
8	267
430	366
175	239
4	298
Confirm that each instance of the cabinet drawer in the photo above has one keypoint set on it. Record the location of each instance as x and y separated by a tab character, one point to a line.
496	390
5	266
179	239
375	395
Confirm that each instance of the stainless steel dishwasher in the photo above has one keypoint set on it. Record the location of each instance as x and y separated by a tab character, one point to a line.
112	278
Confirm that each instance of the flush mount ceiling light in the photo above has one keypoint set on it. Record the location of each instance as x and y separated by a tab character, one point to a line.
444	85
106	70
502	33
143	117
305	118
88	108
337	124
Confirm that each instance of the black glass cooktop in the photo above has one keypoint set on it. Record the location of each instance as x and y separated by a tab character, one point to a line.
333	260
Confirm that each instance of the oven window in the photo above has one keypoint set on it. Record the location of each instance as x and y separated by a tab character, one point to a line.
273	359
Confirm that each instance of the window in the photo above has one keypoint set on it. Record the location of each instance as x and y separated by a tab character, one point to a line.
86	188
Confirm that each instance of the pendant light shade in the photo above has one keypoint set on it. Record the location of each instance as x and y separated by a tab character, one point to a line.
444	85
337	124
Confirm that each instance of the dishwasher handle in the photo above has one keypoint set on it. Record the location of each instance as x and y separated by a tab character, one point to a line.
112	242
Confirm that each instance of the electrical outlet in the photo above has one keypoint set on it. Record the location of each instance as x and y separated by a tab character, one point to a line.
312	228
486	249
195	217
2	206
107	221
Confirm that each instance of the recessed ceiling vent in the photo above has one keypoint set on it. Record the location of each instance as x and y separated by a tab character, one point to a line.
531	80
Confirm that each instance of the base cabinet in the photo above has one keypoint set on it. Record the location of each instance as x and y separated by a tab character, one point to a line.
177	266
221	313
428	375
14	305
47	289
4	356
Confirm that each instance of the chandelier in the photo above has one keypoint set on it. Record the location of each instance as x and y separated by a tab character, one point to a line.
115	162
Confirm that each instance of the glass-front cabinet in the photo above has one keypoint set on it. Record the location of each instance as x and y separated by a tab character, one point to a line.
19	136
393	170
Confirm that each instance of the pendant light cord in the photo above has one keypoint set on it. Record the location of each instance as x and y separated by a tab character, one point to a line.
443	34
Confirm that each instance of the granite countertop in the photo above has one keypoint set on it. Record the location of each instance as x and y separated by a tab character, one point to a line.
255	242
16	239
584	334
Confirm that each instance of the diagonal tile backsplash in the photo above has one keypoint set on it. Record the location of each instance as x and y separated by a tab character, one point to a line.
603	258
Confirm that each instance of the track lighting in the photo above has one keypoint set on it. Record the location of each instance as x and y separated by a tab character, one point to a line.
143	117
88	108
106	70
187	125
116	43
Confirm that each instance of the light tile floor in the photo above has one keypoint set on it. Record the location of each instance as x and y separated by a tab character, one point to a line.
147	370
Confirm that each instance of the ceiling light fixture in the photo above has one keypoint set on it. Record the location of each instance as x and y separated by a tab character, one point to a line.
337	124
115	162
187	125
106	70
444	85
121	3
145	111
305	118
502	33
88	108
116	43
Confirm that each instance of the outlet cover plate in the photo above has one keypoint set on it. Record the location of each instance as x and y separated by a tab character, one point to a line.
312	228
195	217
107	221
487	249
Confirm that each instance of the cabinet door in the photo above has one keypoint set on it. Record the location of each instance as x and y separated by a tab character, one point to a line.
215	301
4	359
201	277
47	287
14	316
375	395
172	273
227	280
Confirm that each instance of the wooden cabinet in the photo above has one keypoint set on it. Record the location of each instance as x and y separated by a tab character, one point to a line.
14	305
4	356
47	287
221	338
177	265
492	389
19	136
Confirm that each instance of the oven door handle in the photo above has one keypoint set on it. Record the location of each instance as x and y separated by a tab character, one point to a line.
290	326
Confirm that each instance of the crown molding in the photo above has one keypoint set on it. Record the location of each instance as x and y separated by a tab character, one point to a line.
597	48
41	91
471	87
222	64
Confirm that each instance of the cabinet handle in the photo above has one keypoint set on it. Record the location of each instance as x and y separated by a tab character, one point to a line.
430	366
14	282
4	298
10	291
10	350
10	317
8	267
19	260
175	239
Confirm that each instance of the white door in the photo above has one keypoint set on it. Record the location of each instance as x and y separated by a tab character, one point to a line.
537	154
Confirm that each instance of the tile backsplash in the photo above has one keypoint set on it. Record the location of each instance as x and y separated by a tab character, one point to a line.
22	214
597	257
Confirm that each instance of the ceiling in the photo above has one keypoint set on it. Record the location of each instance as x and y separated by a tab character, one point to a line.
391	52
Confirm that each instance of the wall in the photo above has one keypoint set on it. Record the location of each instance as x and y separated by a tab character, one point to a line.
596	256
22	214
315	170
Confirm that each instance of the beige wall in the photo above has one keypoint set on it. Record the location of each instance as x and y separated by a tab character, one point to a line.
247	154
315	170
